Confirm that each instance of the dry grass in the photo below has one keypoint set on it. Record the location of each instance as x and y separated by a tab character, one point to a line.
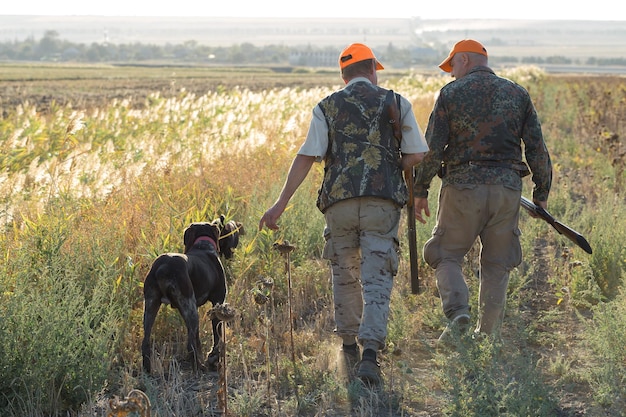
93	193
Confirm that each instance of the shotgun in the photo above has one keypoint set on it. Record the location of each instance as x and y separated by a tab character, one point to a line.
395	119
564	230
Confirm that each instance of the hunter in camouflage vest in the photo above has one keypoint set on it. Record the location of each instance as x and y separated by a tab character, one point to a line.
361	197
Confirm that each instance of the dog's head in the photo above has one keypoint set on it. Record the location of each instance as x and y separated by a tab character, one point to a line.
229	236
201	231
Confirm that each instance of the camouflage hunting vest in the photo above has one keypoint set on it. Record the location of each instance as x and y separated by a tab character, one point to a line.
363	156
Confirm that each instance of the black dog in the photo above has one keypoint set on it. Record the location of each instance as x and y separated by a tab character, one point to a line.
187	281
229	237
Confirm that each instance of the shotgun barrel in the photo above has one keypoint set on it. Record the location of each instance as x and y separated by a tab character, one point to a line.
564	230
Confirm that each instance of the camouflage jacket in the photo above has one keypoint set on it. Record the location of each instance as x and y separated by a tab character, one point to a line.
363	157
476	129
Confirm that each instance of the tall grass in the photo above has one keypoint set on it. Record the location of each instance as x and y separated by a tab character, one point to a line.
89	197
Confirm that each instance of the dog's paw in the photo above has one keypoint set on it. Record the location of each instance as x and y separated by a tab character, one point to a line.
213	361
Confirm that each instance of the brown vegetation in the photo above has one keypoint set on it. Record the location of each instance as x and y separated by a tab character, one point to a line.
93	237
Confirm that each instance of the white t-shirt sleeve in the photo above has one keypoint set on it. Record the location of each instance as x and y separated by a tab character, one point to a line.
413	140
316	142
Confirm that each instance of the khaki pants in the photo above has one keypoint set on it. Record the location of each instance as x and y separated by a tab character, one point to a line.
362	246
465	212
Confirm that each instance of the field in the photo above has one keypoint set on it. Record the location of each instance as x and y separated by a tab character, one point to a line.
103	167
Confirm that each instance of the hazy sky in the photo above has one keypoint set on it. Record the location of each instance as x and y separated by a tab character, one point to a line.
429	9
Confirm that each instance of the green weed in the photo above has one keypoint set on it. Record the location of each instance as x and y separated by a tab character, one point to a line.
86	210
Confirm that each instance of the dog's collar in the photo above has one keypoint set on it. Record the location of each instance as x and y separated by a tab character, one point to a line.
207	238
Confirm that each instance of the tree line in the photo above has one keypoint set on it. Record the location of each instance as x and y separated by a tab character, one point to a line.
51	48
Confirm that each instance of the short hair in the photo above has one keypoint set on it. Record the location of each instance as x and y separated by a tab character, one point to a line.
358	68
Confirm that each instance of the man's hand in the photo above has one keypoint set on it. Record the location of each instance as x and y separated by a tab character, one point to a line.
421	204
271	216
297	173
409	160
542	204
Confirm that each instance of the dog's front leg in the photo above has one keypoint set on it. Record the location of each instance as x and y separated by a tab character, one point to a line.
214	356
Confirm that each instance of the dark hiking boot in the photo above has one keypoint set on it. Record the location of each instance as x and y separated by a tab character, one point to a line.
454	332
369	372
351	355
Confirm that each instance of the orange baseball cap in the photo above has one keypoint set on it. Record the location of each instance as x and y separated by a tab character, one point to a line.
466	45
357	52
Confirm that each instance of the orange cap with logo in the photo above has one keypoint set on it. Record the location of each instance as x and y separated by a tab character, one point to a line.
357	52
466	45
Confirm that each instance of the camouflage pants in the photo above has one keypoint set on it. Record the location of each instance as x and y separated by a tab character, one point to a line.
467	212
362	246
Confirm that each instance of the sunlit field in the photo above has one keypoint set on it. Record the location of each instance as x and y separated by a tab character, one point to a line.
102	172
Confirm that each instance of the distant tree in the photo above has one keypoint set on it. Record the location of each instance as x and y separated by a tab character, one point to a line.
124	52
612	61
49	45
532	60
237	54
98	52
148	52
250	52
71	54
427	50
560	60
26	51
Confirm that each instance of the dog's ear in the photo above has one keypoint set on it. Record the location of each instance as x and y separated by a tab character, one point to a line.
219	222
216	231
188	238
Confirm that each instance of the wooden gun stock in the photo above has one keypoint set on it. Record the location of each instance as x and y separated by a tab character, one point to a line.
564	230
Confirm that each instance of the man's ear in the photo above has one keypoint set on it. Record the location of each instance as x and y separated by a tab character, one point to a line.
465	59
